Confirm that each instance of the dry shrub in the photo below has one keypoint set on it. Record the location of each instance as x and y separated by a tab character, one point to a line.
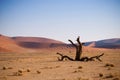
100	75
4	68
76	71
109	65
38	72
17	74
28	70
80	67
20	71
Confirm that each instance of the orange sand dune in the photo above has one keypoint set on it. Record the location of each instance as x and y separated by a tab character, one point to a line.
9	45
26	44
36	44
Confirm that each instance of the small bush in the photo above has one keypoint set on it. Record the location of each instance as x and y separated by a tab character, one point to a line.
76	71
17	74
80	67
28	70
100	75
109	65
20	71
4	68
38	72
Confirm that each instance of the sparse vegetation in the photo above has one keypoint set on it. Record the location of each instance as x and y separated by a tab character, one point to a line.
4	68
38	72
28	70
20	71
76	71
44	66
17	74
80	67
100	75
109	65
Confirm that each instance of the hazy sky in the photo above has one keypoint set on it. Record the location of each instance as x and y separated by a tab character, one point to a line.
61	19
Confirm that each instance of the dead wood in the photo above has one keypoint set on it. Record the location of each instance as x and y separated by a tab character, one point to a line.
82	59
64	57
92	58
78	47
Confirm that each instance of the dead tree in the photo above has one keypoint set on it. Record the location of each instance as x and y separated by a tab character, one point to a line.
78	47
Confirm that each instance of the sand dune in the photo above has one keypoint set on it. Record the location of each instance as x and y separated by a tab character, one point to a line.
26	44
9	45
107	43
35	44
35	39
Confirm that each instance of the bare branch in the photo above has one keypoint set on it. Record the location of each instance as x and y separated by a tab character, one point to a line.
64	57
78	40
92	58
72	43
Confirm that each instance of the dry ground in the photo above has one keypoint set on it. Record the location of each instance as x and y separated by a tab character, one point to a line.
43	65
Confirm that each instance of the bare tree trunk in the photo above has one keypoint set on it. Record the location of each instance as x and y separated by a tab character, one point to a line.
78	49
78	57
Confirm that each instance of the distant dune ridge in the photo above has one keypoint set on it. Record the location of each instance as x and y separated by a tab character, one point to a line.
36	42
107	43
21	44
35	39
14	44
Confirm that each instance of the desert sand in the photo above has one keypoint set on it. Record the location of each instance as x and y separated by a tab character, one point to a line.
44	65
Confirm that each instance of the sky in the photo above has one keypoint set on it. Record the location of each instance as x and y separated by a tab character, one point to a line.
61	19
